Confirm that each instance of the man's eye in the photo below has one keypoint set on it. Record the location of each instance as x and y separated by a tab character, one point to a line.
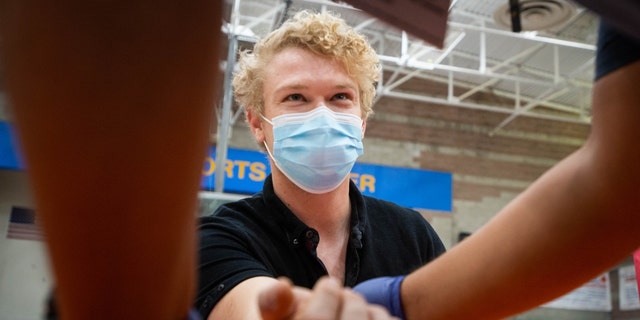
295	97
341	96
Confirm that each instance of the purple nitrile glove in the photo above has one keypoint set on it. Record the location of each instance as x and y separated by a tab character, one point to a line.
384	291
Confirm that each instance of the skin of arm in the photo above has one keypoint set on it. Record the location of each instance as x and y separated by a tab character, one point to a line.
112	102
241	302
576	221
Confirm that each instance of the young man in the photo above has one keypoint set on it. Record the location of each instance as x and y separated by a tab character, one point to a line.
307	89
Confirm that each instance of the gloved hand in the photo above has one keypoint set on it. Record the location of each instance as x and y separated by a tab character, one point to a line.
193	315
384	291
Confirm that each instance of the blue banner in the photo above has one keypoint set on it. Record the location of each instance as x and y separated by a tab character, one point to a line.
245	171
8	148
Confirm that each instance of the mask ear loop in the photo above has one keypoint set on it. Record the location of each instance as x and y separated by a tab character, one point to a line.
265	143
269	152
265	119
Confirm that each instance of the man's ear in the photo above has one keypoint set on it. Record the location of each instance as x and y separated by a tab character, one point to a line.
255	124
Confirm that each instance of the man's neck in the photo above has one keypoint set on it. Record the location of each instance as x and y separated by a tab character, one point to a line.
328	213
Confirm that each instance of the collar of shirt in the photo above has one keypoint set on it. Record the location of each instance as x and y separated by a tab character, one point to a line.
299	234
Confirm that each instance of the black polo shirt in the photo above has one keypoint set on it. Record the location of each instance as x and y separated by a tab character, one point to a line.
260	236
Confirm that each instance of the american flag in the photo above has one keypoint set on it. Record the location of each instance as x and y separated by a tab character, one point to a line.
22	225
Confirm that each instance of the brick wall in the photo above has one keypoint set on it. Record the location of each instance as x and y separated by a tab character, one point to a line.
489	167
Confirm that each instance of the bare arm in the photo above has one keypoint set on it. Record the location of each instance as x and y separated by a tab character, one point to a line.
241	302
113	102
577	220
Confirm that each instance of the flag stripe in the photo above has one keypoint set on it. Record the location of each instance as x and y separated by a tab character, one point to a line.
22	225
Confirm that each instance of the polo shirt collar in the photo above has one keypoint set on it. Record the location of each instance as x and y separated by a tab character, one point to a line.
297	232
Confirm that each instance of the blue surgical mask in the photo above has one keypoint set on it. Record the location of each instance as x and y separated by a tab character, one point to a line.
316	149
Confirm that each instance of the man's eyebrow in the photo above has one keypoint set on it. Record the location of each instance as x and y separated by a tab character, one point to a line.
293	86
300	86
345	86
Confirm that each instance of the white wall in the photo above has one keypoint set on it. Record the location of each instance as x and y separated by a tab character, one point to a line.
25	278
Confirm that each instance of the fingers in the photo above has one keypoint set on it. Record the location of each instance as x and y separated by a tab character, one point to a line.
330	301
354	306
300	295
276	302
324	303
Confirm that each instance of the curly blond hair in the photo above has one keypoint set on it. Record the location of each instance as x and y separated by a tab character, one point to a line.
324	34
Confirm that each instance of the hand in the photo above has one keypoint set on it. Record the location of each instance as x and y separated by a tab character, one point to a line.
327	301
